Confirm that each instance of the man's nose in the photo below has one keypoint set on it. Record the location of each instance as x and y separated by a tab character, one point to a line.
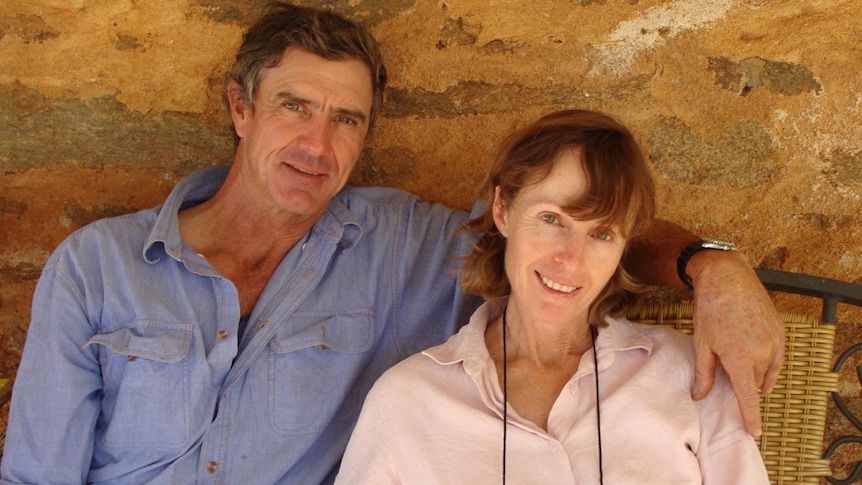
315	139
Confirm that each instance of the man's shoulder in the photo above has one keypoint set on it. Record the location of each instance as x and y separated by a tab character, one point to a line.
121	230
361	199
380	196
120	224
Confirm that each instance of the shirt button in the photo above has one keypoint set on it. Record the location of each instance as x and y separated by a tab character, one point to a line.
553	448
222	334
322	346
130	358
262	325
212	467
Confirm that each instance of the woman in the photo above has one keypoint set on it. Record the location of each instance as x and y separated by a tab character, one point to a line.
514	397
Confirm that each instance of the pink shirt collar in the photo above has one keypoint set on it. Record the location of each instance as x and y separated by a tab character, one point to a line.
468	345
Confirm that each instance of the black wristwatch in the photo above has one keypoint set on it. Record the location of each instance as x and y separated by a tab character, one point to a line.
699	245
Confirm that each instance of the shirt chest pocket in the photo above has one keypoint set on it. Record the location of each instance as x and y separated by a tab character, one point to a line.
146	384
313	365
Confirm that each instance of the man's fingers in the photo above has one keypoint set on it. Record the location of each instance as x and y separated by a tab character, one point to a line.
704	372
749	403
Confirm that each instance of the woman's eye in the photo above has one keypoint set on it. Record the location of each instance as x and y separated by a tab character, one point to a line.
607	234
550	218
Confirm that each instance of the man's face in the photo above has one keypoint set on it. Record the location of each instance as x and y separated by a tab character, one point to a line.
310	119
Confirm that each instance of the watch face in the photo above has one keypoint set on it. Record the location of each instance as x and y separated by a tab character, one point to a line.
716	244
694	247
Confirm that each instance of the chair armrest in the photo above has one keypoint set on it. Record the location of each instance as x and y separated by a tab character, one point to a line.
830	291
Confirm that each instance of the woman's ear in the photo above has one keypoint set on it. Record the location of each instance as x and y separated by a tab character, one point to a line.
240	110
500	213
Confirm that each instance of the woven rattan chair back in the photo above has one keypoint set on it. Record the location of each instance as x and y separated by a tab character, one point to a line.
794	414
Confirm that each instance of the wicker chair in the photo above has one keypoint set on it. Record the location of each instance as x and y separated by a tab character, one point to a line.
794	414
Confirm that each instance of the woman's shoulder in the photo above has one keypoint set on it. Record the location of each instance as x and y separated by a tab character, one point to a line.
414	384
409	375
661	340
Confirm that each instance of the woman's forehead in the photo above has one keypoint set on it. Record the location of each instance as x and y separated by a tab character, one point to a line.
566	181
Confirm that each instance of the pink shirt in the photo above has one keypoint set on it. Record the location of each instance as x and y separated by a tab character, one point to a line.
437	418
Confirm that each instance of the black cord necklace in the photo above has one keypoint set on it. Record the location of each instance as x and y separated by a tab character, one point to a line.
593	332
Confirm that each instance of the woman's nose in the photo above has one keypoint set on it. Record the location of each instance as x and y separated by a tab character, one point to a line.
570	251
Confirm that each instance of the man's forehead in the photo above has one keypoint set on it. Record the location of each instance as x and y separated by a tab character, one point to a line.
298	66
298	59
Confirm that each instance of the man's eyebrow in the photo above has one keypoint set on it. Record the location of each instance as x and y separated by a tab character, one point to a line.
284	96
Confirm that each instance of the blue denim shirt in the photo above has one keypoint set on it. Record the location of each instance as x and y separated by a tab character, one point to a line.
128	372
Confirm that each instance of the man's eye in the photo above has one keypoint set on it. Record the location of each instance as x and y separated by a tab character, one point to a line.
293	106
346	120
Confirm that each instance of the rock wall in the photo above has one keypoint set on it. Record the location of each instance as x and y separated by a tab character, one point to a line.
750	111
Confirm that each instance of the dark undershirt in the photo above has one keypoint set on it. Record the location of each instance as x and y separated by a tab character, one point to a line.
243	324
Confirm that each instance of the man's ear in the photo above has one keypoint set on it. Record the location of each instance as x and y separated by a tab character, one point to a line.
240	109
500	213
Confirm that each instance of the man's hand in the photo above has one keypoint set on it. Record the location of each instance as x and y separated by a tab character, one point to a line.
736	323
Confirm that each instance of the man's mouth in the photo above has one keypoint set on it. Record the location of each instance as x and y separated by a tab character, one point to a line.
304	170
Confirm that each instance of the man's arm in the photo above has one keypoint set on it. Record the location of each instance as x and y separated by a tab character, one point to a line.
735	321
50	437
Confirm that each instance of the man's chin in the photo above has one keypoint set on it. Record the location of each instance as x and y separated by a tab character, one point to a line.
304	204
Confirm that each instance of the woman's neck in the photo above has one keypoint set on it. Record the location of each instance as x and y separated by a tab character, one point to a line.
537	363
542	340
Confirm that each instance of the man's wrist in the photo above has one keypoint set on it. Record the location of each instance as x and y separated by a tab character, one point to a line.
700	246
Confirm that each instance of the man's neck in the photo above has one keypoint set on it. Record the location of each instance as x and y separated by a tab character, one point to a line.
243	242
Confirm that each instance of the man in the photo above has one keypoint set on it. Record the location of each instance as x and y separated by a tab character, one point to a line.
230	335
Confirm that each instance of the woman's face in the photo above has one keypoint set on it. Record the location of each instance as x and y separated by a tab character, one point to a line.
556	265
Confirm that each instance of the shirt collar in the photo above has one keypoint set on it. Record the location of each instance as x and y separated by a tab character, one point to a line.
344	222
468	345
619	335
192	190
336	223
